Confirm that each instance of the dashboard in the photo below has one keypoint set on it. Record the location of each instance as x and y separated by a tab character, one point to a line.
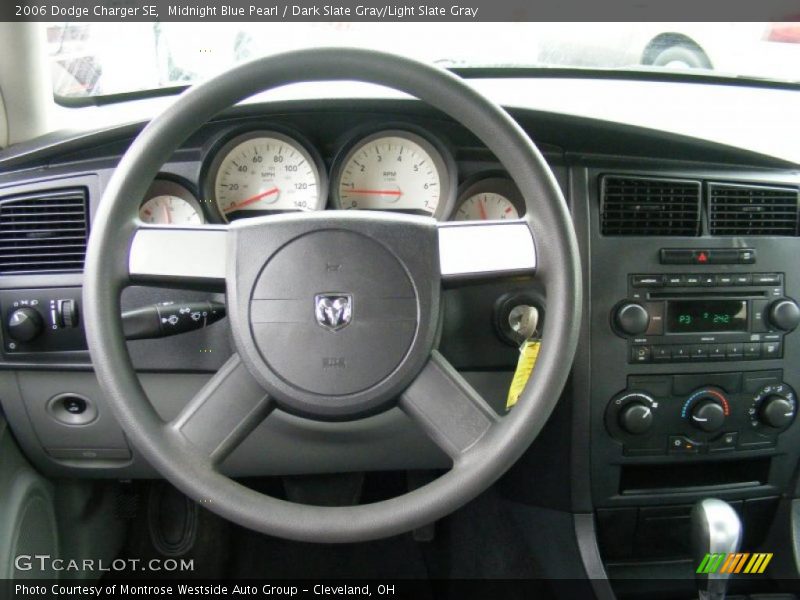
271	168
684	384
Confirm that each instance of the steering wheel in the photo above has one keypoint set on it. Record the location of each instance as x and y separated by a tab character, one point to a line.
335	315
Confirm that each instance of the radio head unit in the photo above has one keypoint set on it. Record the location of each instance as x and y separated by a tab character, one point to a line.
725	316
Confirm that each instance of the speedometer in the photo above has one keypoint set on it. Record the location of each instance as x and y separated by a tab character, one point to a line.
394	170
266	171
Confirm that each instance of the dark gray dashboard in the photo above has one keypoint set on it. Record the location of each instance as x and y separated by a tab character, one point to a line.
579	150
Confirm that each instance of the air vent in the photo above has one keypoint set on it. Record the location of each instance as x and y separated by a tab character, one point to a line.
644	206
752	210
43	232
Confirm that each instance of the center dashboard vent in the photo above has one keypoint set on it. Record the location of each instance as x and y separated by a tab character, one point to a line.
650	206
735	209
43	232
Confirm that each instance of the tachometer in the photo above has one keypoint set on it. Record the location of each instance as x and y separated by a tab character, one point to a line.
169	203
266	171
394	170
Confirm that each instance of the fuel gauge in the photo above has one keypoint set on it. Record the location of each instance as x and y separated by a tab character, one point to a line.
169	203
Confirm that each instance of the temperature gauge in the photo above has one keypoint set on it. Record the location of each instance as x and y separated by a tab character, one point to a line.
489	199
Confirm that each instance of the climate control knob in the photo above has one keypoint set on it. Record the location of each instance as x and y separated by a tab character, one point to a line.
631	318
776	411
784	314
636	417
707	415
24	324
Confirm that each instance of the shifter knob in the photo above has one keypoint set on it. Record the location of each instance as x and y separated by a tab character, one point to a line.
716	529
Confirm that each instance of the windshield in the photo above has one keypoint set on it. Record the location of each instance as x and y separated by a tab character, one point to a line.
94	59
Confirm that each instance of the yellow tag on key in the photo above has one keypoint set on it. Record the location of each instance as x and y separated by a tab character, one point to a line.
528	353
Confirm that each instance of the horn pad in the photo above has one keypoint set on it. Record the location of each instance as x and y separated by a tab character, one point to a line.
335	316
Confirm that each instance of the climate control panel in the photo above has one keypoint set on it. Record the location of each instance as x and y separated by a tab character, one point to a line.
701	413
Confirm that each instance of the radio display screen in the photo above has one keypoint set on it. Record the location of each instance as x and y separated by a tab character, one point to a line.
706	316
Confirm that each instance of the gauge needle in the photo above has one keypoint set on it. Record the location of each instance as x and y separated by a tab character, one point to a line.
377	192
251	200
482	208
167	216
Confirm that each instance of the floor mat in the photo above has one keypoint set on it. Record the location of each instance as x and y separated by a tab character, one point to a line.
255	555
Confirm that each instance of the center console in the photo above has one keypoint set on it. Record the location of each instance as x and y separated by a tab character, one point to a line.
693	375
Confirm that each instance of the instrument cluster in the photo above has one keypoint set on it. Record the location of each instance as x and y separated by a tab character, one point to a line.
273	170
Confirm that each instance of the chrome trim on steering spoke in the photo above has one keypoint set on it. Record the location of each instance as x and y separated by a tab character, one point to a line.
191	253
465	250
486	249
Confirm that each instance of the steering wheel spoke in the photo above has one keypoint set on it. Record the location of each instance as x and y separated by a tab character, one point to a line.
224	412
176	256
486	249
341	337
447	408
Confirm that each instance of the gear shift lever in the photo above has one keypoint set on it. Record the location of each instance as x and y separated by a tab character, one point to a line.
716	529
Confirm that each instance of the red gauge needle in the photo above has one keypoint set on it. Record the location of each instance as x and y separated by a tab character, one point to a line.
377	192
251	200
482	208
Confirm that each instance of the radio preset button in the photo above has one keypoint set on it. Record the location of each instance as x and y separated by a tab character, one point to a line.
716	351
743	279
734	350
698	351
752	350
662	353
681	352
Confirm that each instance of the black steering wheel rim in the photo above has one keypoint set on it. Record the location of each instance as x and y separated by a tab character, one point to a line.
107	269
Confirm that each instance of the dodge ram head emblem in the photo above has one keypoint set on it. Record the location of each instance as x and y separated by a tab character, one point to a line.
333	311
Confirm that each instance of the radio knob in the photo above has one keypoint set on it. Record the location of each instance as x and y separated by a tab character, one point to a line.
707	415
784	314
776	411
24	324
636	417
632	318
